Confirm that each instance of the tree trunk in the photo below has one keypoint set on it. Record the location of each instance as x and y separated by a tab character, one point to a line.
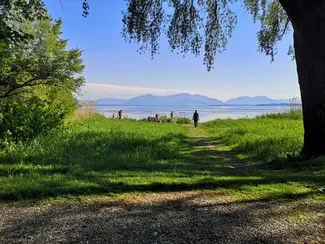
309	43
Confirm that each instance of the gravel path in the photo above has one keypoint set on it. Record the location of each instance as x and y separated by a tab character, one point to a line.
182	217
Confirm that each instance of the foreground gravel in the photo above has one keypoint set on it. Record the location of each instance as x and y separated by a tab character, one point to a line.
186	217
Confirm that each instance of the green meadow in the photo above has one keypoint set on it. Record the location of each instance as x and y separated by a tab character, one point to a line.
96	157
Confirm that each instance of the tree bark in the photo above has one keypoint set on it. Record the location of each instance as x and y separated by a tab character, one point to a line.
309	43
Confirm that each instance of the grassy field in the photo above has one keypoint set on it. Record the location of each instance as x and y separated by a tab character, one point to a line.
262	139
98	157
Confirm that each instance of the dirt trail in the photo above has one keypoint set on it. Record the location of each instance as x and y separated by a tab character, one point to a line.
201	140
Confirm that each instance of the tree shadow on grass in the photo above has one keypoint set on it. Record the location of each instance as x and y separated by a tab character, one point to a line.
99	163
182	218
18	170
82	185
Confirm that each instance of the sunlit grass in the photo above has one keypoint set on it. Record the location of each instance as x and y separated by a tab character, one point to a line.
260	139
97	156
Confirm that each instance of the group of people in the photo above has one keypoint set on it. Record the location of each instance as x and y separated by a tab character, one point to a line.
195	117
119	114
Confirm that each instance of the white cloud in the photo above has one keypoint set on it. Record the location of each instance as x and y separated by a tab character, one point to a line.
93	91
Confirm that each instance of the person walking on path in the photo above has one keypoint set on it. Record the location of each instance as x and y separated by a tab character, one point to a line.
196	118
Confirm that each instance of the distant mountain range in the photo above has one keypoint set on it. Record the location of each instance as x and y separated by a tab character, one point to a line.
179	99
254	101
185	99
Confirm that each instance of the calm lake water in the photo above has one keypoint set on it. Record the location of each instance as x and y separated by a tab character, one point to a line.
206	113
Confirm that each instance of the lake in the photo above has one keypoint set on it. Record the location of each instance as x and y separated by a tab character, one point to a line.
206	113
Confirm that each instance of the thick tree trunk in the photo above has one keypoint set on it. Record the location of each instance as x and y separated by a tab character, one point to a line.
309	42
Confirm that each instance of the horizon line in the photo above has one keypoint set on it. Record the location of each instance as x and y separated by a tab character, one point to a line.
96	91
186	93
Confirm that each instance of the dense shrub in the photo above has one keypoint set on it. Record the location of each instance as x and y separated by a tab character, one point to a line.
183	121
178	120
25	117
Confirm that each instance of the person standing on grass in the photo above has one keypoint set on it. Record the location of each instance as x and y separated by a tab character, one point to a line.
196	118
171	117
120	114
157	117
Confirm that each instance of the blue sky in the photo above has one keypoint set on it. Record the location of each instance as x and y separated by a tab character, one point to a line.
115	69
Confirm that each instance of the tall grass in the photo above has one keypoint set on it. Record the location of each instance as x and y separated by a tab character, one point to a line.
96	155
293	111
80	155
86	109
292	114
104	143
268	137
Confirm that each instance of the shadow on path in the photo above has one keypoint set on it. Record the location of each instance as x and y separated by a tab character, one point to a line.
172	213
159	218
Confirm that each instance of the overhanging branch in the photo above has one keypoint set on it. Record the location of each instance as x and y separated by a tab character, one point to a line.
286	26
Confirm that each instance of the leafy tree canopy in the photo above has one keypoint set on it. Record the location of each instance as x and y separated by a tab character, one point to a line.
43	60
14	12
191	25
37	81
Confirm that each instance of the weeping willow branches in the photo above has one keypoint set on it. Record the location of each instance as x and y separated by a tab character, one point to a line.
195	25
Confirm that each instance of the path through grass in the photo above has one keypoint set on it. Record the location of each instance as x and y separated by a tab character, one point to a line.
141	182
99	157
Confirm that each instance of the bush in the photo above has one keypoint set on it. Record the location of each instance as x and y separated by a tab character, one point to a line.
7	146
25	117
183	121
179	120
164	119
